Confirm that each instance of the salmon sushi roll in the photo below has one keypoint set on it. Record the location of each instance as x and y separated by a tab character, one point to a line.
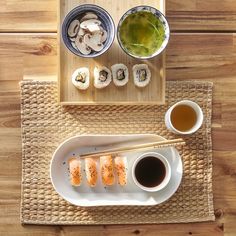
75	171
107	170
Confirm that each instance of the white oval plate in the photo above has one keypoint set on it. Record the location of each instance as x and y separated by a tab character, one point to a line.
113	195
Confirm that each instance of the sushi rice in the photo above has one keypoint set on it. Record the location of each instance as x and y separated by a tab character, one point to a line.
141	74
80	78
120	74
102	77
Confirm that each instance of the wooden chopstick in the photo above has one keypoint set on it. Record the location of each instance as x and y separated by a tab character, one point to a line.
139	147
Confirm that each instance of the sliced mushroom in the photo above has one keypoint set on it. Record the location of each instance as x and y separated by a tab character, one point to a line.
88	16
74	46
87	34
73	28
72	39
93	28
96	37
81	32
92	25
104	34
82	47
93	41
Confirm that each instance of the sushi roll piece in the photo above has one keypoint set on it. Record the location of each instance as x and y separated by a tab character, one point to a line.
107	170
75	171
80	78
141	74
120	74
121	170
102	77
91	171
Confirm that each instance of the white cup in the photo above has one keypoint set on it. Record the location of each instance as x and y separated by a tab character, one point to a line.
166	179
196	108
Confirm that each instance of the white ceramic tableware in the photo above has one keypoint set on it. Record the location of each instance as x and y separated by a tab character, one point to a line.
101	195
162	20
195	107
166	179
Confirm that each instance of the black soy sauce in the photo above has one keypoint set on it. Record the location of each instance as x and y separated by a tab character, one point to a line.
150	171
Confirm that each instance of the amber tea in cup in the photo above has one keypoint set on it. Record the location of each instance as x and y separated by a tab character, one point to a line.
184	117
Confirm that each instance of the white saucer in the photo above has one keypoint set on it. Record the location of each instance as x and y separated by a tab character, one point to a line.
114	195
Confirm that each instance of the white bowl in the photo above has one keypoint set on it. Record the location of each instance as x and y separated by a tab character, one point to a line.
167	175
158	15
195	107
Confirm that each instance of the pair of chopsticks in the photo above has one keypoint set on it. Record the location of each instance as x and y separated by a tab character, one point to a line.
139	147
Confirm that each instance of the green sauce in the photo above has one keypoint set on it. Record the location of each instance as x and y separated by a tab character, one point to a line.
142	33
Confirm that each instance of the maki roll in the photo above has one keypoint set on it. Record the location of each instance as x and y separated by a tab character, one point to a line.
141	74
120	74
80	78
102	77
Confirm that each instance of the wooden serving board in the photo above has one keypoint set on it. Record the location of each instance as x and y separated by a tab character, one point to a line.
154	93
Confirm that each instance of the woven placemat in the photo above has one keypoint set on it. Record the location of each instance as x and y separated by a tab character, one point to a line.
45	125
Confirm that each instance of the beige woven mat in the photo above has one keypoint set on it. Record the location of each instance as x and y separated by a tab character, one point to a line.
45	125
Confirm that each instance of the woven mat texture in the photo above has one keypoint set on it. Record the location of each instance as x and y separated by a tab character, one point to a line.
45	124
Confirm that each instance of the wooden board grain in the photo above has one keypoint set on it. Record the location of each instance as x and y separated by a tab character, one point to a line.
213	58
153	93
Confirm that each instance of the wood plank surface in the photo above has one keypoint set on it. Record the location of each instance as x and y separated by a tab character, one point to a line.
209	57
153	93
40	16
28	15
202	15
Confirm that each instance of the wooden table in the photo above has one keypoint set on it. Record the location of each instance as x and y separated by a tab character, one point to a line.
202	47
